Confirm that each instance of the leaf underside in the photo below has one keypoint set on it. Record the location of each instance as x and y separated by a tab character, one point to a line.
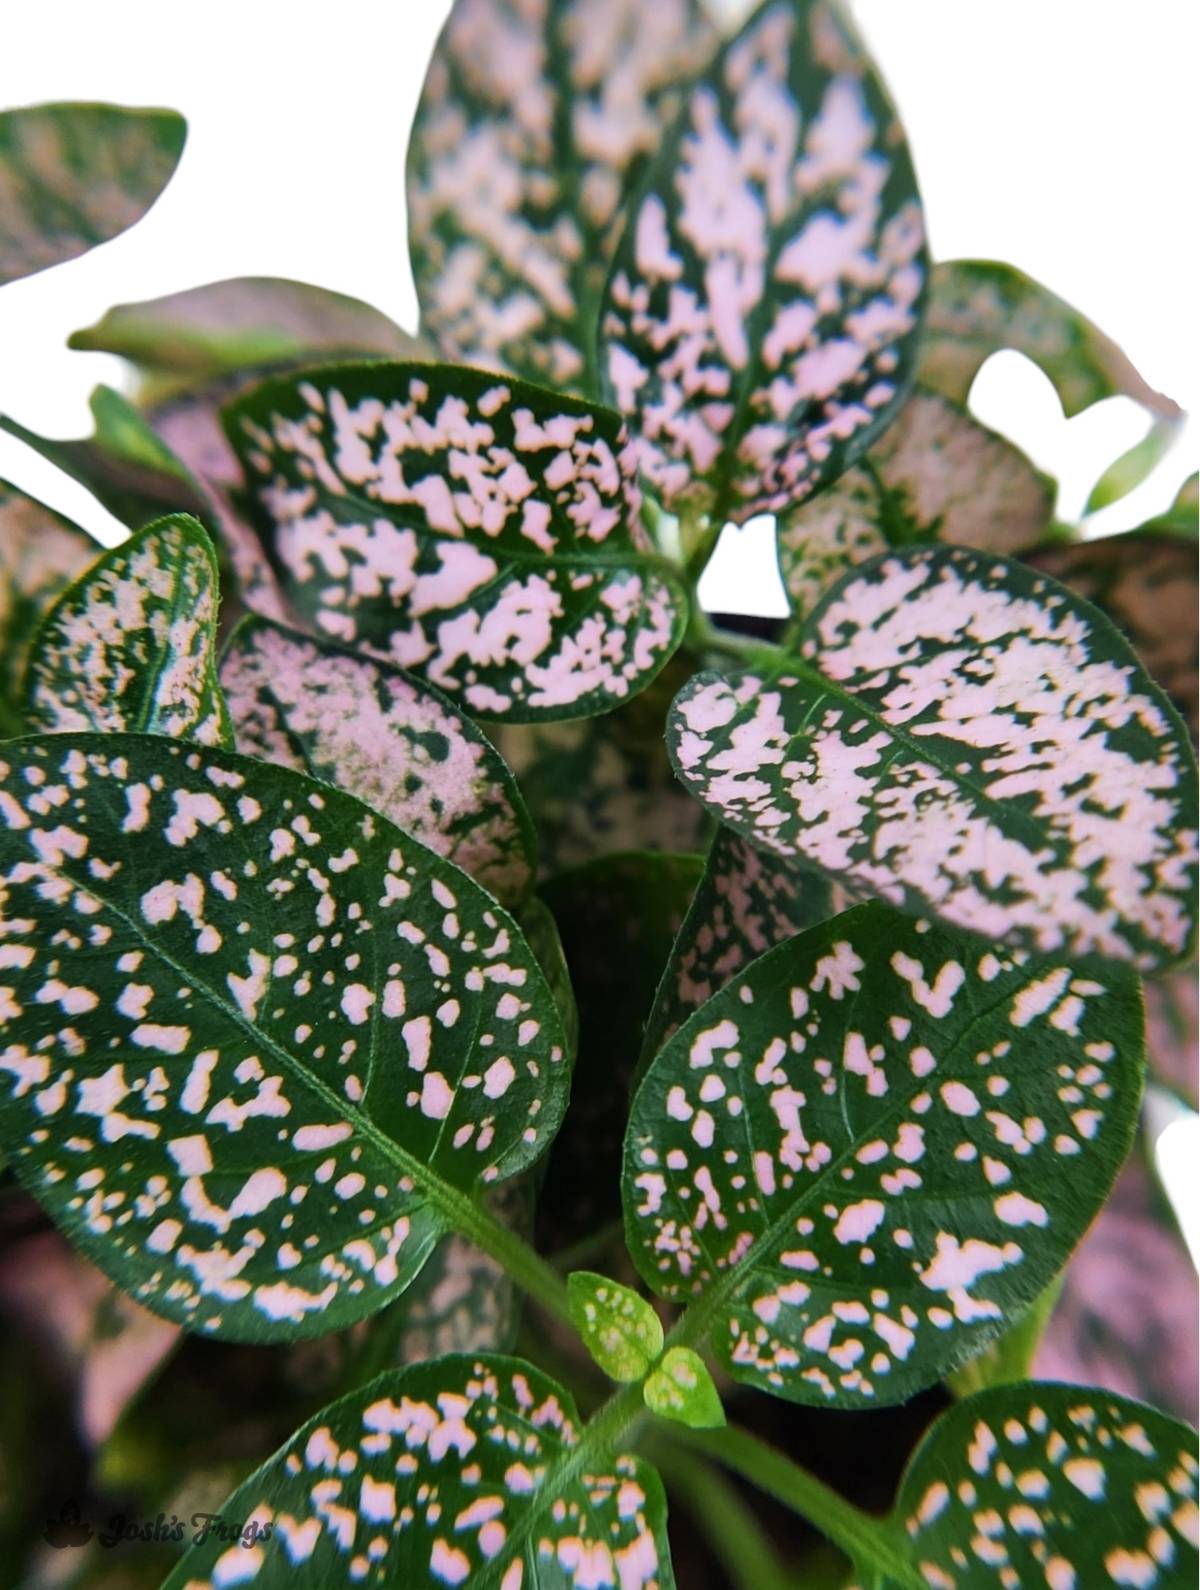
75	175
130	646
536	117
1062	1486
431	1477
978	742
236	1001
935	474
875	1146
479	531
760	321
387	737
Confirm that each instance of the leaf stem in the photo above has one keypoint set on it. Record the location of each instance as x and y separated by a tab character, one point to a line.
867	1541
524	1265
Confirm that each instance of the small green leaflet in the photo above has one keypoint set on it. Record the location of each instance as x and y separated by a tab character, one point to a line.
876	1145
463	1471
40	553
599	786
935	474
238	991
978	307
390	739
978	742
761	317
1063	1486
745	904
536	118
1146	582
74	175
131	645
240	323
681	1388
481	532
620	1329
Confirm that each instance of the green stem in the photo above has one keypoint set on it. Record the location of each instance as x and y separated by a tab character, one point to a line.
866	1540
533	1274
734	1533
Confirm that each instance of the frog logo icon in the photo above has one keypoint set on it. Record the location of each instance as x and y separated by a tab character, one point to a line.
68	1529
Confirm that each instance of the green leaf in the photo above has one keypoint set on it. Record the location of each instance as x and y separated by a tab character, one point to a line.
40	553
240	323
978	742
537	923
681	1389
131	645
1011	1356
535	120
1128	471
123	463
464	1471
1146	582
600	786
745	904
619	1328
1062	1486
936	474
761	317
979	307
876	1145
233	990
74	175
483	533
387	737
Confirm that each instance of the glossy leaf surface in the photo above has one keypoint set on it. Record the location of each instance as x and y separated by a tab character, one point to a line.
74	175
454	1472
874	1146
978	742
1051	1485
239	1003
40	553
387	737
481	532
535	118
131	645
934	475
760	321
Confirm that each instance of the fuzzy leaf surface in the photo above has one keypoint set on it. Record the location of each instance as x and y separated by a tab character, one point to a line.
1057	1485
964	736
131	645
40	553
75	175
935	474
535	119
745	904
876	1145
387	737
479	531
458	1471
760	321
240	323
1146	582
239	1001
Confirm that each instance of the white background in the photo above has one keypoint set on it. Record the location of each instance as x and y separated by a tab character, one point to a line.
1056	134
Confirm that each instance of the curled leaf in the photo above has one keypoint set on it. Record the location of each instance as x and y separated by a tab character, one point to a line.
466	1470
74	175
291	1018
131	645
481	532
963	736
536	118
387	737
760	321
873	1147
